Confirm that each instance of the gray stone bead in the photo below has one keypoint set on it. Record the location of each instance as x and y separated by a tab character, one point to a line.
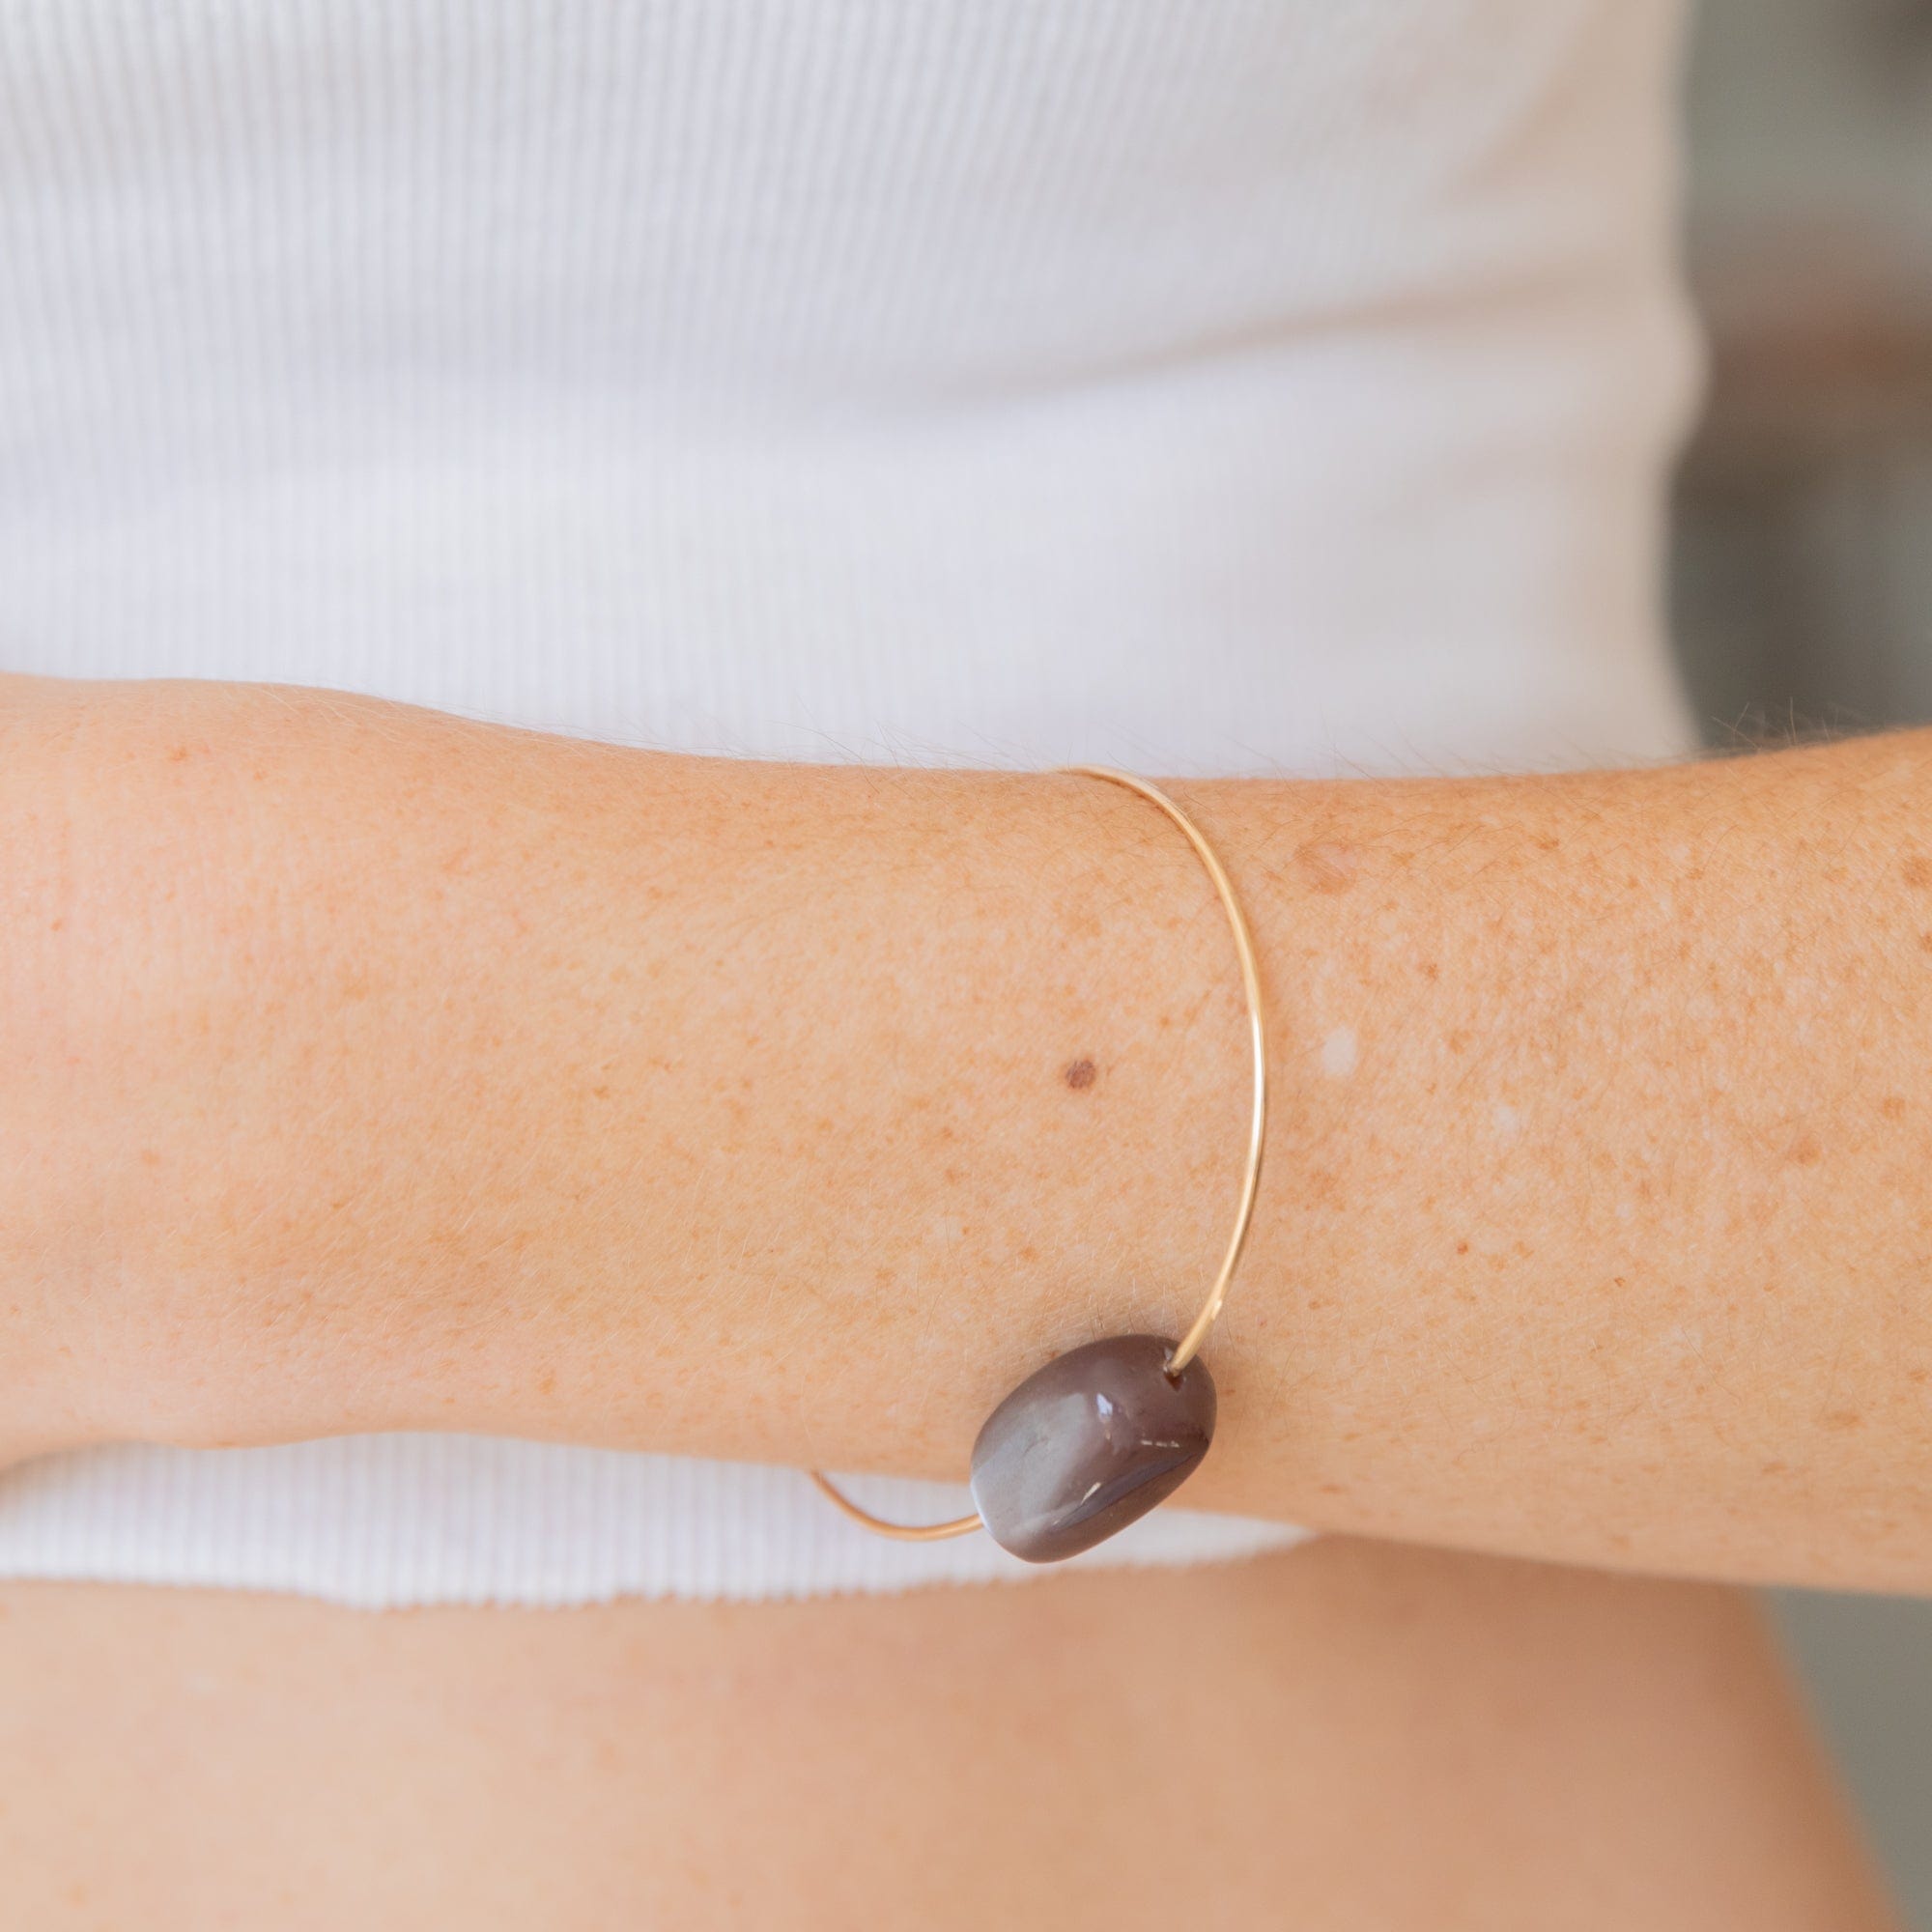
1088	1444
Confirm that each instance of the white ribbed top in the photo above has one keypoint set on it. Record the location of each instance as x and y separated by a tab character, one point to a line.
1201	385
383	1521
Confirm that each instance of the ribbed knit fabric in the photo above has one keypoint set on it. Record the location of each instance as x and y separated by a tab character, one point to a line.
1203	386
383	1521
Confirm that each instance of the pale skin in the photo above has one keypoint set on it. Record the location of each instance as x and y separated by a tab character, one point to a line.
367	1069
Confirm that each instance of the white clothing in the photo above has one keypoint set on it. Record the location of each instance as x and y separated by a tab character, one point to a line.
1197	385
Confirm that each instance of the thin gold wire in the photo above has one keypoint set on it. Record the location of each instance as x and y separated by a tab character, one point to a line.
1190	1345
906	1532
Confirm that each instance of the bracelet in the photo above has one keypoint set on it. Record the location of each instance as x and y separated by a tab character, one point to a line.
1101	1434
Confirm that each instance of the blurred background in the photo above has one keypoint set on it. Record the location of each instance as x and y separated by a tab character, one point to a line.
1801	584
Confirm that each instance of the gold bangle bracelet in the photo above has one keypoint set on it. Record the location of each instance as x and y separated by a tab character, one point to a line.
1101	1434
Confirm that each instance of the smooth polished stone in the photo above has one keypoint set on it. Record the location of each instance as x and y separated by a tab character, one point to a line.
1088	1444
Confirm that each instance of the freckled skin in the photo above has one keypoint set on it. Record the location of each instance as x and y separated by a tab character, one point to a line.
468	1049
1328	865
520	1085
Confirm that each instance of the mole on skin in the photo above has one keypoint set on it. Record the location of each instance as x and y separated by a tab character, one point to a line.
1080	1073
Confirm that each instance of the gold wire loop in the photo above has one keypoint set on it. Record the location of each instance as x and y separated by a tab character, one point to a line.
906	1532
1190	1345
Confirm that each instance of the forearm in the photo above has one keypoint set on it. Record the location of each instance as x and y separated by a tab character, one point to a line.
369	1069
